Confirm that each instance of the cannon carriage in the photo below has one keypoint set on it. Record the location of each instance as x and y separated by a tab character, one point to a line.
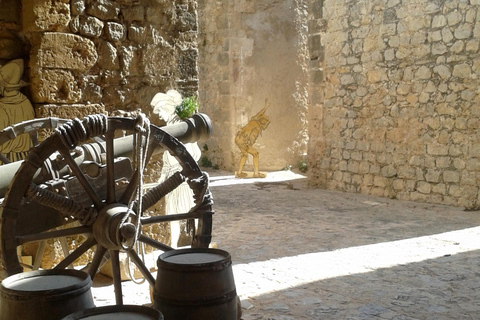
85	181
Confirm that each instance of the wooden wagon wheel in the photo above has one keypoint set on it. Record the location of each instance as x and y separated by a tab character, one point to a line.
110	216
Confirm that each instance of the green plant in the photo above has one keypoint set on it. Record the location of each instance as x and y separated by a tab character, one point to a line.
188	107
205	147
205	162
302	166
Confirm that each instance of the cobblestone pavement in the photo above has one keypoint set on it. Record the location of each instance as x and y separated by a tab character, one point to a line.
302	253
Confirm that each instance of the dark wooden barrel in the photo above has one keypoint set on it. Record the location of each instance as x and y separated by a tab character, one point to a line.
117	313
196	284
45	294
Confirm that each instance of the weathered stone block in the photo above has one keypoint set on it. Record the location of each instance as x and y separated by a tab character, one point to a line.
92	93
140	34
455	191
186	21
103	9
389	171
451	176
439	188
443	71
447	35
108	56
424	187
454	18
115	31
116	96
436	149
463	31
462	70
130	60
439	21
77	7
472	46
41	15
432	175
423	73
90	26
65	51
54	86
404	89
159	61
468	179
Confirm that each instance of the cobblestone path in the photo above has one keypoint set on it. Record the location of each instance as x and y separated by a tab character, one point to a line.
302	253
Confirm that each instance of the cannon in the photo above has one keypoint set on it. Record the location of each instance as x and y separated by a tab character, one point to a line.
86	180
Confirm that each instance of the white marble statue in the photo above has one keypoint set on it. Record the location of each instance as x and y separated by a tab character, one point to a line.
179	200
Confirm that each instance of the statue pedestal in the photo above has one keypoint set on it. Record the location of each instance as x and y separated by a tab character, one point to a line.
249	175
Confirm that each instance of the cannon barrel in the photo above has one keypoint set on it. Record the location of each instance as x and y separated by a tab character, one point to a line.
196	128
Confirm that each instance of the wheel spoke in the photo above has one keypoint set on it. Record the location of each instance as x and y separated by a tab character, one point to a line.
117	279
110	167
77	253
81	177
53	234
39	255
97	259
171	217
130	190
141	266
66	251
154	243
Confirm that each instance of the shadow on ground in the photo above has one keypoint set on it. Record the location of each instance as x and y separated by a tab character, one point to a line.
443	288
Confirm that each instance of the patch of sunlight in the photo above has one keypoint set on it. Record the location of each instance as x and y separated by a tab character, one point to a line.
257	278
276	176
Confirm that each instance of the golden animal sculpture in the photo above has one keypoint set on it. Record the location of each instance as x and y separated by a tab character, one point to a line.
246	137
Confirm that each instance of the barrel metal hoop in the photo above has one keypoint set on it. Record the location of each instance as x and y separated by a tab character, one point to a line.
206	301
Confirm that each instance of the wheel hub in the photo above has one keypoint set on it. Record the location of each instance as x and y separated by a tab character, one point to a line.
110	232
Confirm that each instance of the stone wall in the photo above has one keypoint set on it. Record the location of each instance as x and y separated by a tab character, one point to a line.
394	98
250	51
109	55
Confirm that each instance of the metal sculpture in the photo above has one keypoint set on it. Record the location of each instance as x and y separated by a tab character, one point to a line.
98	186
245	139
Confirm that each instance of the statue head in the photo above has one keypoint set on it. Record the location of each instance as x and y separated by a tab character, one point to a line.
164	104
11	76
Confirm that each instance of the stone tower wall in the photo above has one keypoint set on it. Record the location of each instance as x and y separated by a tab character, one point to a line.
250	51
394	95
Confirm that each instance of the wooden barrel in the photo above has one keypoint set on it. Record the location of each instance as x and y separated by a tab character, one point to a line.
196	284
45	294
117	313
